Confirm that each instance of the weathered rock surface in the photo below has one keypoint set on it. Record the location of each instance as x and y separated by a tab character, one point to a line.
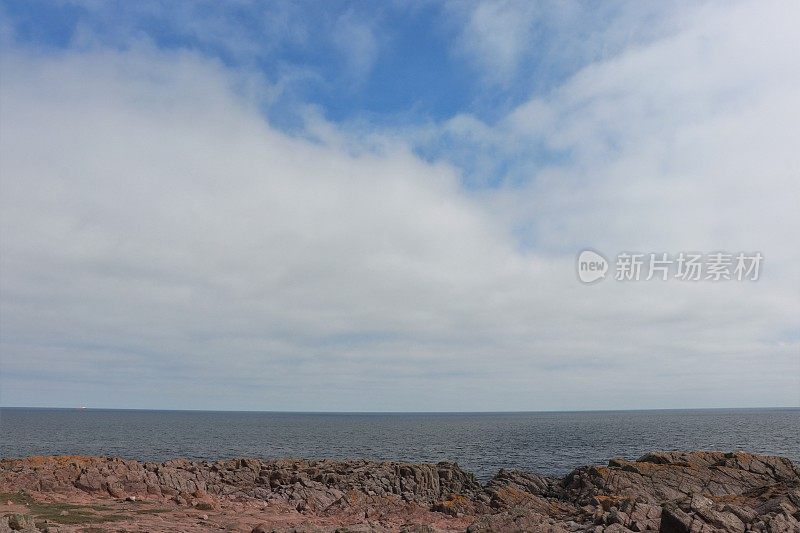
666	491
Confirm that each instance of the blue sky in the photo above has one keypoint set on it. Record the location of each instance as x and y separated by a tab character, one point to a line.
386	64
418	75
377	206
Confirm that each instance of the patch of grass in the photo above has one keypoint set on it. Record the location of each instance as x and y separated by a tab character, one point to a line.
16	497
76	514
149	511
98	507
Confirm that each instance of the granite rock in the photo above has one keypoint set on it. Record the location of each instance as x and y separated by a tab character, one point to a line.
666	491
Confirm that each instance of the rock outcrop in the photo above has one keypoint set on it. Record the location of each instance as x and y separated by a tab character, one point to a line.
316	485
662	491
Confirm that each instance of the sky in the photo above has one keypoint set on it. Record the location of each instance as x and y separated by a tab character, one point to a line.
361	206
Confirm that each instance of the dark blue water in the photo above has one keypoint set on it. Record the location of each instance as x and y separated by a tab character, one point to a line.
551	443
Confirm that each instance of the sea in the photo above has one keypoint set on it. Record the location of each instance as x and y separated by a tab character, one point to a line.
551	443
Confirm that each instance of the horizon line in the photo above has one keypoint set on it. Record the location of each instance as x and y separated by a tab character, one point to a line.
312	412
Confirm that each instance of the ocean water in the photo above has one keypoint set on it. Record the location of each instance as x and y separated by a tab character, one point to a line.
549	443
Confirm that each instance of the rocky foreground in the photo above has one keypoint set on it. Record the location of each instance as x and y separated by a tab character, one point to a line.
662	491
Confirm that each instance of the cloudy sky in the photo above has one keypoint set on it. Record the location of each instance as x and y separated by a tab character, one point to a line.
359	206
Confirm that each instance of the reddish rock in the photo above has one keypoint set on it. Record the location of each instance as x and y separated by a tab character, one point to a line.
670	491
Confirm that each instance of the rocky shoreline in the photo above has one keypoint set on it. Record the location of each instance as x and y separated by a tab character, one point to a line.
661	491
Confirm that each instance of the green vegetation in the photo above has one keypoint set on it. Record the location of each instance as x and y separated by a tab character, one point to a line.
63	513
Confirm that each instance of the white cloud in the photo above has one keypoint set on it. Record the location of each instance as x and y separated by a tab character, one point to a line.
693	135
514	41
157	217
163	246
357	43
496	34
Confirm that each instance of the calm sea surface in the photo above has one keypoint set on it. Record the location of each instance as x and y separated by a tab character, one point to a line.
551	443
